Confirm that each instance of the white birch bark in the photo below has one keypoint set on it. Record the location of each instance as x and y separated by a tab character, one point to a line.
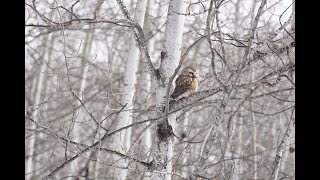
254	133
172	49
284	141
147	138
283	166
146	85
275	124
238	170
293	23
293	154
37	99
122	140
148	27
76	132
228	151
231	127
184	154
46	90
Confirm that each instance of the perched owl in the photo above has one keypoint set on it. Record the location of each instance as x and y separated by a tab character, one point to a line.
186	84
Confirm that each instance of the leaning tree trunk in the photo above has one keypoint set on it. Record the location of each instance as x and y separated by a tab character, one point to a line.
122	140
169	62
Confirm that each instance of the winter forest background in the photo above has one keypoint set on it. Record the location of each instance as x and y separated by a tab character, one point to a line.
97	74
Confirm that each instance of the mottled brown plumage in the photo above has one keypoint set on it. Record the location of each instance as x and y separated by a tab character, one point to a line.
186	84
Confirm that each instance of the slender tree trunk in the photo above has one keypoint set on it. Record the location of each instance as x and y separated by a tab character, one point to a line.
146	85
121	141
98	154
77	130
228	151
292	154
147	80
41	159
237	169
254	134
284	140
185	154
30	163
293	22
171	55
252	115
147	137
231	126
238	150
283	166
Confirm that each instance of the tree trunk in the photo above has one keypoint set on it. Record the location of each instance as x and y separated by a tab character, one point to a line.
30	164
77	130
146	85
238	170
252	115
254	134
284	140
185	153
171	55
121	141
237	163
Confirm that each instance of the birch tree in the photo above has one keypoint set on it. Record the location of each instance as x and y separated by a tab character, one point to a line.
171	56
284	140
105	98
76	129
122	140
254	129
44	58
146	85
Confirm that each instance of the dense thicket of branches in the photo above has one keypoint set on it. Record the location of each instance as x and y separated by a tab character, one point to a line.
240	125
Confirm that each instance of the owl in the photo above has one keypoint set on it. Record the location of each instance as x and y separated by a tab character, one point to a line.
186	84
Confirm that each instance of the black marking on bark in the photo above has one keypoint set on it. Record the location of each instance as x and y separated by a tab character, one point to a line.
164	134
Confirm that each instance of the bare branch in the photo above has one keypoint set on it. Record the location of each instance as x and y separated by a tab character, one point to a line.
140	38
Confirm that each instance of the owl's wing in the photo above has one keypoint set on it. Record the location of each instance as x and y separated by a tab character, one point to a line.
183	84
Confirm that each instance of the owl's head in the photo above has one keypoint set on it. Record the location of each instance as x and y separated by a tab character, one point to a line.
190	71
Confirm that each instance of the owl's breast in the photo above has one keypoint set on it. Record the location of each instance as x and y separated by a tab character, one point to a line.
195	84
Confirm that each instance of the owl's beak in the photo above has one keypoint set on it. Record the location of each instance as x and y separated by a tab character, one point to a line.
196	74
